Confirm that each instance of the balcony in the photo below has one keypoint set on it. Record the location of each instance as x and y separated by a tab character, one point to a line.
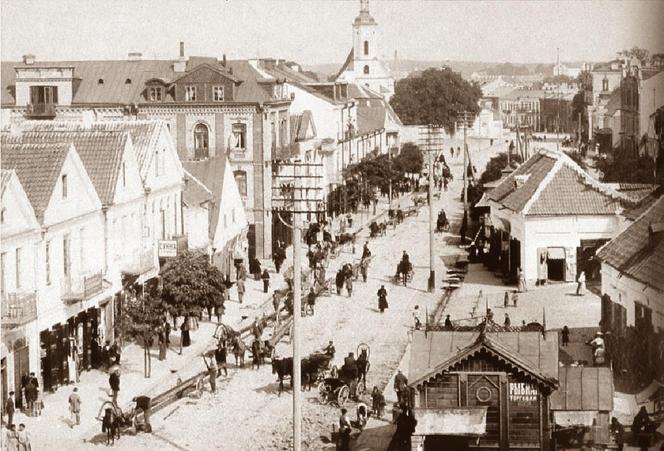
82	288
19	308
40	110
141	264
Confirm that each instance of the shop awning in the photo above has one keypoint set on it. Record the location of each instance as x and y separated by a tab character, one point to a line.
453	421
574	418
556	253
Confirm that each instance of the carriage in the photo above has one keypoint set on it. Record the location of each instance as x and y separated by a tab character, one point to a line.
347	382
404	272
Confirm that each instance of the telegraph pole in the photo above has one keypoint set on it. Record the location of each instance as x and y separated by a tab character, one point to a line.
431	144
297	315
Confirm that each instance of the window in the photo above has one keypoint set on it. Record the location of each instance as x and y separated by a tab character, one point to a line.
48	262
605	84
366	69
19	251
642	317
155	93
66	257
44	94
190	93
241	181
283	132
3	262
201	145
2	215
64	186
162	214
100	81
124	174
218	93
239	137
366	47
128	81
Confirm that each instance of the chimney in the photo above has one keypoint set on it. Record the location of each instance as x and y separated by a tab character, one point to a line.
223	60
181	49
269	63
181	64
29	59
134	56
519	180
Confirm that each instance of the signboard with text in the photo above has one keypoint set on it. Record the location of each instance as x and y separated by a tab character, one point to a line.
168	248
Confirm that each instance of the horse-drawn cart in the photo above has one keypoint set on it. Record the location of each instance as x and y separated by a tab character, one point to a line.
333	389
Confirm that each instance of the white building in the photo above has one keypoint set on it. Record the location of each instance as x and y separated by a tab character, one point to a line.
633	273
549	211
363	66
651	100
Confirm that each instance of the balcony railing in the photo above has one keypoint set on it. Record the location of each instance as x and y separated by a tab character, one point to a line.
18	308
41	110
82	288
143	263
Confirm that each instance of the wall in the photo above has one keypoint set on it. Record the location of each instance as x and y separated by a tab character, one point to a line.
651	97
626	291
196	220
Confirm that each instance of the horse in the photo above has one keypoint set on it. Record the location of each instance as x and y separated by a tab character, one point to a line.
282	368
403	269
239	349
312	367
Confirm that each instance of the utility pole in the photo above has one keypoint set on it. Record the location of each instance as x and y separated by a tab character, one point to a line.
297	314
558	104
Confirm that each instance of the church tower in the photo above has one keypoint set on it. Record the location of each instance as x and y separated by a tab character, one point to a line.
364	41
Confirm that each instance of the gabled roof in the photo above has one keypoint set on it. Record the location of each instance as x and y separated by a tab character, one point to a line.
551	184
196	63
638	253
347	65
5	177
100	151
195	192
583	388
300	123
529	352
210	173
370	117
38	167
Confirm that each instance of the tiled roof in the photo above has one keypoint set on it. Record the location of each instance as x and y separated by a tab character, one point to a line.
100	151
347	65
210	173
116	73
637	253
5	177
370	117
356	91
300	124
551	184
634	212
432	350
195	192
38	167
524	94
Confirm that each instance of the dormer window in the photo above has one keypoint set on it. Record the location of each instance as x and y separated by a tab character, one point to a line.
155	93
128	81
43	95
190	93
100	81
218	93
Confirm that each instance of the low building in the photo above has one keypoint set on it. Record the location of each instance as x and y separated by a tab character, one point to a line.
520	108
633	273
549	216
482	390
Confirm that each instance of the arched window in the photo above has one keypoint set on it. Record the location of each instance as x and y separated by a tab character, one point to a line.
366	70
201	142
366	47
241	181
605	84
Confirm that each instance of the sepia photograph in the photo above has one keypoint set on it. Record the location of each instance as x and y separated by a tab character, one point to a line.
351	225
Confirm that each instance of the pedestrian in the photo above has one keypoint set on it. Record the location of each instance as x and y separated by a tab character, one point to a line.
416	317
349	285
256	353
167	332
220	357
349	218
618	432
311	301
266	280
240	290
366	253
211	365
565	334
344	431
448	322
23	438
382	299
185	337
362	413
75	407
508	322
114	382
506	299
10	408
162	344
452	152
515	298
521	280
458	151
377	402
364	268
489	314
116	351
581	284
39	403
401	387
11	438
339	281
106	354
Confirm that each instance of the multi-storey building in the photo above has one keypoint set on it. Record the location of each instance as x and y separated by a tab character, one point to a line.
521	108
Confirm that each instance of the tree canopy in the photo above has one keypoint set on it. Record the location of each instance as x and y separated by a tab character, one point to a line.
626	167
436	96
495	166
410	159
142	316
643	55
191	283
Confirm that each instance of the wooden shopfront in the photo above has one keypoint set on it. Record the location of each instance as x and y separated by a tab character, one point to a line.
482	391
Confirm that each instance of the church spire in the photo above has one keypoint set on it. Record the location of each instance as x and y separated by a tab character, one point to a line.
364	18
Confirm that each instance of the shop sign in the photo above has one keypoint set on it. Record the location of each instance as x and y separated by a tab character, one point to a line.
168	248
523	392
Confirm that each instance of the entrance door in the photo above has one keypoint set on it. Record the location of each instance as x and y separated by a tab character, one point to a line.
556	263
3	376
21	370
251	238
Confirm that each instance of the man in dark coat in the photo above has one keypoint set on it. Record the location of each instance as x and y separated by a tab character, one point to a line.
220	357
401	387
266	280
311	301
10	408
114	382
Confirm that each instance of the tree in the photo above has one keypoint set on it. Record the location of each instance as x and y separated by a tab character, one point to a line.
494	167
626	167
191	283
410	159
142	316
435	96
585	80
579	110
643	55
577	158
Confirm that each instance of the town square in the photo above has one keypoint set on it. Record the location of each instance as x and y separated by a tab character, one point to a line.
332	225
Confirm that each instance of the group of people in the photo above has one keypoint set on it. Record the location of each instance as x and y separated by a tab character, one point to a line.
17	439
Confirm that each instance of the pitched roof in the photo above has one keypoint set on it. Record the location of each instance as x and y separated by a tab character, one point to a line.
524	93
347	65
210	173
356	91
5	177
583	388
114	74
370	117
299	124
195	192
433	352
615	102
550	184
100	151
38	167
636	251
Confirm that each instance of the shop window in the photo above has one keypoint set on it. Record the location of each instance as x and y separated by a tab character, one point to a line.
241	181
239	137
201	141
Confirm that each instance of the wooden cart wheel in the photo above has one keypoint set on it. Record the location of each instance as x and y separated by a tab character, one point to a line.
343	395
361	388
323	392
363	347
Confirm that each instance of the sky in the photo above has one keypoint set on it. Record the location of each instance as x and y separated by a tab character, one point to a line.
319	31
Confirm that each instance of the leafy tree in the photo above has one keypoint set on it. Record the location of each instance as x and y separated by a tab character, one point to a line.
643	55
558	79
435	96
579	110
626	167
410	159
585	80
495	165
142	316
191	283
577	158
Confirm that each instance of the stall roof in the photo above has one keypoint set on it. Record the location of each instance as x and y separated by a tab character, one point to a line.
454	421
583	389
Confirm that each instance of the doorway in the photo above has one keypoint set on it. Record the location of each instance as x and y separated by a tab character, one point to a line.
556	263
21	370
3	376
